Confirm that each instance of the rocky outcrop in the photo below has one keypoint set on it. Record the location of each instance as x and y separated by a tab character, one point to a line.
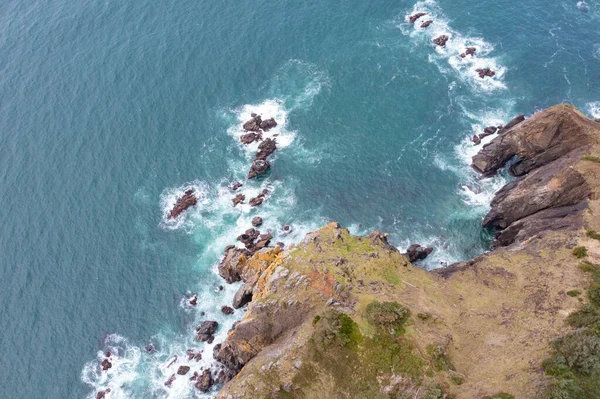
469	51
266	148
483	72
268	124
253	125
426	23
187	200
204	381
259	167
231	266
413	18
416	252
552	191
205	331
441	40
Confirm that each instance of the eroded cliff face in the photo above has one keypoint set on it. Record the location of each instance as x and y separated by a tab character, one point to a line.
339	316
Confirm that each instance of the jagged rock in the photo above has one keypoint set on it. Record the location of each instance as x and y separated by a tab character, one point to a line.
169	382
488	131
224	376
256	201
513	122
483	72
476	139
106	364
253	125
413	18
250	138
102	394
242	296
264	240
259	167
268	124
238	199
416	252
256	221
469	51
226	310
205	331
205	381
441	40
248	237
230	268
183	370
426	23
235	186
266	148
544	137
187	200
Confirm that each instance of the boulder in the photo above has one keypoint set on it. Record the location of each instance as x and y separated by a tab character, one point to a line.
266	148
242	296
204	381
268	124
413	18
426	23
259	167
441	40
205	331
238	199
483	72
417	252
230	268
226	310
183	370
256	221
188	199
469	51
250	138
253	125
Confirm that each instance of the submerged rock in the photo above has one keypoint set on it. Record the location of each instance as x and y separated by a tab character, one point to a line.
417	252
187	200
259	167
413	18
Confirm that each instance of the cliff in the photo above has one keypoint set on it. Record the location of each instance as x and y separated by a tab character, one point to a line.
340	316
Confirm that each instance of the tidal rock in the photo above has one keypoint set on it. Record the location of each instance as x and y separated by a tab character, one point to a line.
102	394
513	122
416	252
249	236
226	310
204	382
149	348
266	148
235	186
187	200
488	131
483	72
476	139
193	301
256	201
242	296
230	268
106	364
238	199
413	18
268	124
183	370
264	240
441	40
259	167
256	221
469	51
253	125
169	382
250	138
205	331
426	23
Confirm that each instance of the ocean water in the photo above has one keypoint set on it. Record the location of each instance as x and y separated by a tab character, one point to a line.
110	110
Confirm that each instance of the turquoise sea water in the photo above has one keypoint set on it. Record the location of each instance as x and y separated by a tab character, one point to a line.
109	110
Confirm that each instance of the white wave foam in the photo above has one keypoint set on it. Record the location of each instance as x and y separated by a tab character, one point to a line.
457	43
593	109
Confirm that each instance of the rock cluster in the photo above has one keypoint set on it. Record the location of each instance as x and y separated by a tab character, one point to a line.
483	72
256	126
441	40
413	18
187	200
551	193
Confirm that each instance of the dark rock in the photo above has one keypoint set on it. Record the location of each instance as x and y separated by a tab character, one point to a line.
476	139
259	167
149	348
513	122
266	148
235	186
488	131
483	72
106	364
469	51
225	375
441	40
226	310
256	221
256	201
198	356
206	330
249	236
250	138
264	240
253	125
170	380
268	124
416	252
287	228
413	18
238	199
242	296
193	301
102	394
230	266
426	23
183	370
108	354
280	245
187	200
204	382
190	353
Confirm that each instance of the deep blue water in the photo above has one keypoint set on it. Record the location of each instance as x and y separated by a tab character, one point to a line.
109	110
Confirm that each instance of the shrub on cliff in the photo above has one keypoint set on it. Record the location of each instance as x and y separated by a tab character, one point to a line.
387	315
580	351
336	328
